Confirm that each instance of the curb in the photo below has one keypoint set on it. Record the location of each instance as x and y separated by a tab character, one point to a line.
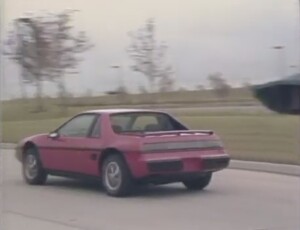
7	146
285	169
291	170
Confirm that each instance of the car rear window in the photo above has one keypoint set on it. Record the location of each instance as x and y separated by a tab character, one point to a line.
144	122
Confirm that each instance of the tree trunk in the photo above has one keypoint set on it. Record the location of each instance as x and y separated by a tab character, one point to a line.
152	90
151	81
39	97
23	89
62	95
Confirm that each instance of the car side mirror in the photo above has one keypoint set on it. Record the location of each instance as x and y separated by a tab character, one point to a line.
53	135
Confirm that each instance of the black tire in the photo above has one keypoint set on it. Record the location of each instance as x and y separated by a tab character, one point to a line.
125	186
39	176
198	183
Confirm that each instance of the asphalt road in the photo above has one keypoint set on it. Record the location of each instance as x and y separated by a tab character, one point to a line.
235	200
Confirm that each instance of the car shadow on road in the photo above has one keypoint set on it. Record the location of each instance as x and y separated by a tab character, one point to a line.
75	185
171	190
145	191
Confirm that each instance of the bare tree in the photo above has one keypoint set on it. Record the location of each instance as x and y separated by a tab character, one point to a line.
219	85
200	87
182	89
46	51
142	89
167	82
88	93
66	48
246	84
28	47
148	55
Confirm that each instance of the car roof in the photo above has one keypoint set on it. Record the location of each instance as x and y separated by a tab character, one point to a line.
115	111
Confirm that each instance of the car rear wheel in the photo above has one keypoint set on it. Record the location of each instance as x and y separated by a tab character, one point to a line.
32	169
198	183
116	177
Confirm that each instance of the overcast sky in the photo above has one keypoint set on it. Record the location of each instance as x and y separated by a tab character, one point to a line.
204	36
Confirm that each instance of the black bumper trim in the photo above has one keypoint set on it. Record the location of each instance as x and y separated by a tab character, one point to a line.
165	166
215	163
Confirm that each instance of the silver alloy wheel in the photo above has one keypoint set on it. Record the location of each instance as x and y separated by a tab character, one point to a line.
31	167
113	176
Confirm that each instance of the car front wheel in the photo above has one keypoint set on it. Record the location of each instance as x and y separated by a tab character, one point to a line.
198	183
116	177
32	169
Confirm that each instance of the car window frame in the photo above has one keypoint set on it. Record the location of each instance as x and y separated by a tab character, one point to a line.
76	116
176	123
94	123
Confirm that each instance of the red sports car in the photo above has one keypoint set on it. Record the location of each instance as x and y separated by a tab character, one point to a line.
124	148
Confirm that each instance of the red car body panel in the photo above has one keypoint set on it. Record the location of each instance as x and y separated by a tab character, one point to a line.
72	154
83	154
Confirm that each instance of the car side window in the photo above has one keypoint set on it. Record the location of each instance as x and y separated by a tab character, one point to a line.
121	121
78	126
145	122
96	132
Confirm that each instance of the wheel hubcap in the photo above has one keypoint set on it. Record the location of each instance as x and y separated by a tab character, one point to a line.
31	168
113	176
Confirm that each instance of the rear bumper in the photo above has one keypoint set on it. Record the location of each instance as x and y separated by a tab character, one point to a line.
178	165
170	178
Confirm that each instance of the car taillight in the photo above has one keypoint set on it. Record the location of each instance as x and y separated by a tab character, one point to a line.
182	145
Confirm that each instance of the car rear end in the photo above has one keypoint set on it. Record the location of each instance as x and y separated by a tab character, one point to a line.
177	155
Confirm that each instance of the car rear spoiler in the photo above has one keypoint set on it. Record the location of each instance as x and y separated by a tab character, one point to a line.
178	132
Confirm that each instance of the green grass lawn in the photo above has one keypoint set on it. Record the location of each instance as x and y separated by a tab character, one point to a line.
270	138
18	110
259	137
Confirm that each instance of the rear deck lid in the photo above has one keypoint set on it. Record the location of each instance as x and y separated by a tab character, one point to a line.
180	140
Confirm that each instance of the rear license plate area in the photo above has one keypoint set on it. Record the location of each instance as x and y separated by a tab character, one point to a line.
165	166
215	163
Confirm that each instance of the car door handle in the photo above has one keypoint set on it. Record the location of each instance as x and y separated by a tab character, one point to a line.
93	156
